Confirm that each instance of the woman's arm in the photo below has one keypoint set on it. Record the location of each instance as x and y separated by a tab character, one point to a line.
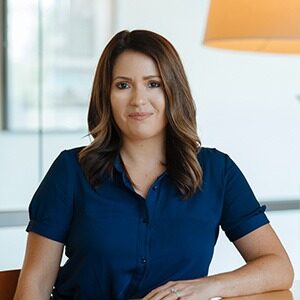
267	268
40	268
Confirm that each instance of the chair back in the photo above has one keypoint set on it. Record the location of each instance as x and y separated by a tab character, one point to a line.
8	284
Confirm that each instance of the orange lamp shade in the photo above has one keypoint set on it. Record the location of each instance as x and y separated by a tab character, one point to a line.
254	25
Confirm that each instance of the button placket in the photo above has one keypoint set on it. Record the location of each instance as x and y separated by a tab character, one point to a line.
147	215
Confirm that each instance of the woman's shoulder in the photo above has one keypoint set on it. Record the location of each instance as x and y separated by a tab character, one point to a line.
69	157
214	164
209	155
71	153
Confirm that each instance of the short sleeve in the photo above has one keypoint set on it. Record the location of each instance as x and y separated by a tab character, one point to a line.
50	210
241	211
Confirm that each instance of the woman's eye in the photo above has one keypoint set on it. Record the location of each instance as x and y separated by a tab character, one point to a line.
154	84
122	85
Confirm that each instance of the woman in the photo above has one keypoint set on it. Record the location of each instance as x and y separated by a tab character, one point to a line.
139	209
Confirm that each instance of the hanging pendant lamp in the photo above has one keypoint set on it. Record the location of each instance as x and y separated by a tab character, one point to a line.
254	25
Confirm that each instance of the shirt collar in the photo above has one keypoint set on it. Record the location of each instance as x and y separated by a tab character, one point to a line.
118	163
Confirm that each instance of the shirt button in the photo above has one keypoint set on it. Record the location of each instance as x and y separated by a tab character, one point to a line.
143	260
155	188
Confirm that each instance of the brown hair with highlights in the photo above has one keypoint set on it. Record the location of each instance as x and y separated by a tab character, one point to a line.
182	141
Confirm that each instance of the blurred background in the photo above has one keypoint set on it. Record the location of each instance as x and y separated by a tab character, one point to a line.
248	104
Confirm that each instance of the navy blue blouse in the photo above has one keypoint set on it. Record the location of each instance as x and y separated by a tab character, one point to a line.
120	245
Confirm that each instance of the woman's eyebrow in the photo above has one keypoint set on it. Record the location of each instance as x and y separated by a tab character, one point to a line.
130	79
122	77
151	76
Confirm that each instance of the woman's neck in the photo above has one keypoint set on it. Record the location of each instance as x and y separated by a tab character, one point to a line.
144	161
143	153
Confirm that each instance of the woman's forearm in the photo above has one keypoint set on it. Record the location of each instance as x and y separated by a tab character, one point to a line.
40	268
266	273
31	291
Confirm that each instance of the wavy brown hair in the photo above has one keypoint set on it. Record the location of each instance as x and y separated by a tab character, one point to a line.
182	141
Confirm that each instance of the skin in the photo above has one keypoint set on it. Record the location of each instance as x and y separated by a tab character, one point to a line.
40	268
136	88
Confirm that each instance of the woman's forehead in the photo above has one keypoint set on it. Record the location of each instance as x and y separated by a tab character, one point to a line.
132	62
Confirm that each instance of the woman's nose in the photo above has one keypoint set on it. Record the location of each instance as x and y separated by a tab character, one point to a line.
139	96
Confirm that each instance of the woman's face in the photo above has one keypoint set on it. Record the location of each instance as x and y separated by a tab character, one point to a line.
137	97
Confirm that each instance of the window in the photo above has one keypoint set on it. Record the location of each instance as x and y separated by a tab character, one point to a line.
52	50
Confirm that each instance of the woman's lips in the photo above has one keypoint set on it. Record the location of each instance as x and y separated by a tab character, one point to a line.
139	115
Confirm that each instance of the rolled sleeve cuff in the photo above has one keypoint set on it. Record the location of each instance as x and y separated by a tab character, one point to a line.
45	230
248	225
